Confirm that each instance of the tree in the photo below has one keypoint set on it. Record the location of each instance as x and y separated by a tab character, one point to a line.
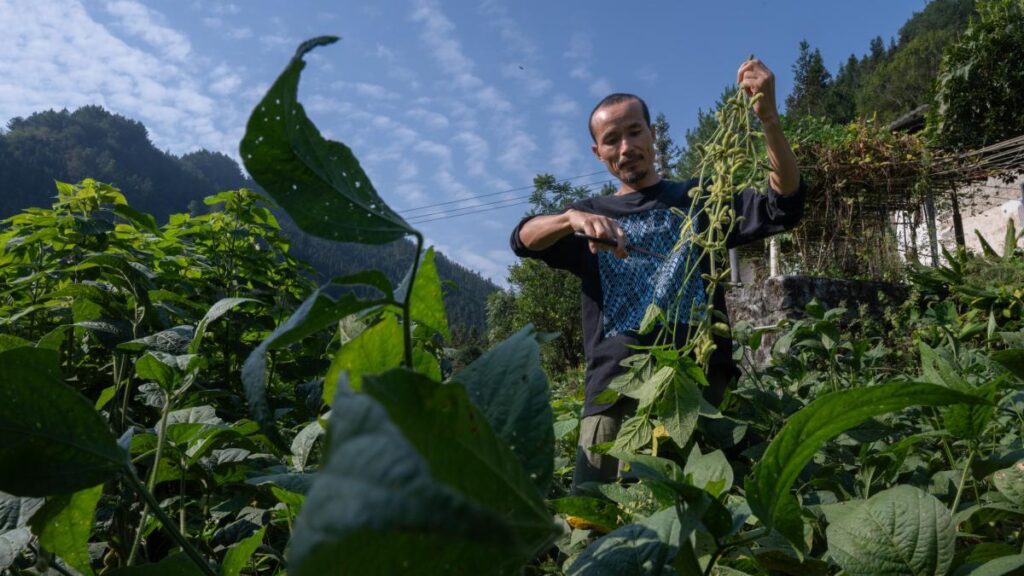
948	15
979	96
665	150
689	153
904	82
810	84
841	107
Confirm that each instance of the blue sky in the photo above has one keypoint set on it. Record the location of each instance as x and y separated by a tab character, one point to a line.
441	101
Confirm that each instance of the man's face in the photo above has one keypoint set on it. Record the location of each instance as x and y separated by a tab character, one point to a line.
624	142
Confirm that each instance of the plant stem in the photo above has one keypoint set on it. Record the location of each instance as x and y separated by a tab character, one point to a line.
152	475
963	481
407	303
147	496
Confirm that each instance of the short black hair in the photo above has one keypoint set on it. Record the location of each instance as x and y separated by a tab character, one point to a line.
615	99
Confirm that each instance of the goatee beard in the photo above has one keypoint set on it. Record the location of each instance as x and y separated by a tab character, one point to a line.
633	177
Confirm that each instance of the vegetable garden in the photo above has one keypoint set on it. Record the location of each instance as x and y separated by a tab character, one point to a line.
180	399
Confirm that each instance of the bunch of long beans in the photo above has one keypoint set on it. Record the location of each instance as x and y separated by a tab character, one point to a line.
729	163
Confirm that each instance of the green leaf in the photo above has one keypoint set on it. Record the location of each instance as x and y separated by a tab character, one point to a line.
303	442
427	304
63	525
375	349
1012	360
508	386
1010	483
454	437
149	367
646	548
375	508
938	370
634	434
970	422
710	471
679	408
902	530
317	312
177	564
1000	566
600	513
145	221
318	182
239	555
8	341
219	308
52	441
768	488
171	341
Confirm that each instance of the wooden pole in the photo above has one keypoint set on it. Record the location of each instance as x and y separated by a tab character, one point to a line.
933	233
773	257
958	222
734	265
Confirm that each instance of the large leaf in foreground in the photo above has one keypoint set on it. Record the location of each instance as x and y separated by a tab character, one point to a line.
319	182
509	387
462	451
643	549
902	530
64	523
375	508
768	489
51	439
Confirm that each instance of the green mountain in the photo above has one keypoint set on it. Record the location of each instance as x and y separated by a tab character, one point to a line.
94	143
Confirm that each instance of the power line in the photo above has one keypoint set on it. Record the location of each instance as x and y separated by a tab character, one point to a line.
517	189
588	185
481	208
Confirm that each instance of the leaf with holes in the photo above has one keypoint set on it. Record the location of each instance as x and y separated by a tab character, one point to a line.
318	182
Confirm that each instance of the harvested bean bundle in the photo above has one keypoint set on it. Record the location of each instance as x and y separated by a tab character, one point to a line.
730	162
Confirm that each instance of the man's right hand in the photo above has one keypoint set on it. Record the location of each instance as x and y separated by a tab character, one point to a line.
542	232
599	227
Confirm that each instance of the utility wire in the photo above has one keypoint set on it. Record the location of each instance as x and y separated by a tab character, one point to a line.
481	208
588	185
517	189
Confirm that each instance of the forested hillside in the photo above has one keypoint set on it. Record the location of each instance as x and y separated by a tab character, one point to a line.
94	143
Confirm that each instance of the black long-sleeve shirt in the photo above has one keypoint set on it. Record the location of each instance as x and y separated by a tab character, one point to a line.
616	293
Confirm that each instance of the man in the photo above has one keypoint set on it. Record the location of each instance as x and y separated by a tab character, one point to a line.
617	285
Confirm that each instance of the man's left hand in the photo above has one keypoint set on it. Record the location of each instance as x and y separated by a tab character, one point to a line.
755	78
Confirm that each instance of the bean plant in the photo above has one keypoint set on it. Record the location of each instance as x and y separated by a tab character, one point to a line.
181	399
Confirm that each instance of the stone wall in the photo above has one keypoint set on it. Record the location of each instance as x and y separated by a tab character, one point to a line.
767	302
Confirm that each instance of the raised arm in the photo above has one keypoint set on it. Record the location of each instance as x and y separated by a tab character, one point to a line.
755	78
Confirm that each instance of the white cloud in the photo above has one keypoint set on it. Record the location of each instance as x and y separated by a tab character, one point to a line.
566	151
225	8
562	105
242	33
431	119
580	47
477	152
534	82
445	48
224	82
373	92
517	152
647	74
66	59
147	25
600	88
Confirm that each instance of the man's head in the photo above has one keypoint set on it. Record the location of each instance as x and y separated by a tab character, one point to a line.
624	139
